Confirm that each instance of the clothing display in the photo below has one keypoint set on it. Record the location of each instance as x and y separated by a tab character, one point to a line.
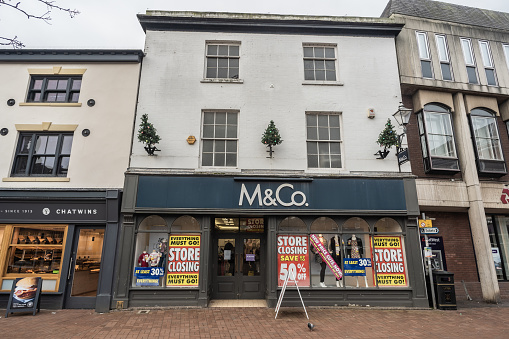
143	259
318	259
154	258
354	247
335	250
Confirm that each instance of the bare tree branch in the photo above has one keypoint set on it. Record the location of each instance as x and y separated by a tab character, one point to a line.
14	42
46	17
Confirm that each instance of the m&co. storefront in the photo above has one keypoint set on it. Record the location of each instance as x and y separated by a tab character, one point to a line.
187	240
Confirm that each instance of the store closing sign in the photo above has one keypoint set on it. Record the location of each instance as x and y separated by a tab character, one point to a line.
293	258
389	261
183	261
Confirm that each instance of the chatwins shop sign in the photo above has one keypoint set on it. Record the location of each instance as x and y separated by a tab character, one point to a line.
296	194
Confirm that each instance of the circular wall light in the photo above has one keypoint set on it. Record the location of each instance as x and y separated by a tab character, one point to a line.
11	102
85	132
4	131
90	102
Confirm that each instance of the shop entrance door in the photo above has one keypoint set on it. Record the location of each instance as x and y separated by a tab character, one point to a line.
239	270
84	268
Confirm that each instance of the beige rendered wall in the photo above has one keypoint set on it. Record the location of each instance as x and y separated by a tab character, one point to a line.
97	161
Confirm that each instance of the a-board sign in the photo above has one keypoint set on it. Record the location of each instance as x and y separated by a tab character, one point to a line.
25	295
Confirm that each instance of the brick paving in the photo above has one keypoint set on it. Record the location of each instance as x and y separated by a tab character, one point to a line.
481	321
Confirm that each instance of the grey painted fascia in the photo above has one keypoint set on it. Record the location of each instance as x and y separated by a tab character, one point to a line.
269	26
71	55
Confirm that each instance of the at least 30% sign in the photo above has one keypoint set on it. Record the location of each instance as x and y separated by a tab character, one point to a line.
297	272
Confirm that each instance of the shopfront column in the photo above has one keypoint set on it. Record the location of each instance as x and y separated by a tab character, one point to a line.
476	214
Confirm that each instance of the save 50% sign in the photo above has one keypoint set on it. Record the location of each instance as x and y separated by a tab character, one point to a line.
296	271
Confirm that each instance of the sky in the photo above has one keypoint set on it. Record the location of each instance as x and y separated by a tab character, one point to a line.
104	24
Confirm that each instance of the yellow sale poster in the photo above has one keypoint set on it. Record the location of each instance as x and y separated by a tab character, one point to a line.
389	261
183	261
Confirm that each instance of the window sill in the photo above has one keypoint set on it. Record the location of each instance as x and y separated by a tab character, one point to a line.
36	179
323	83
222	81
51	104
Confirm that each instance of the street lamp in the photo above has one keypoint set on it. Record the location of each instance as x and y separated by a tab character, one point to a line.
402	117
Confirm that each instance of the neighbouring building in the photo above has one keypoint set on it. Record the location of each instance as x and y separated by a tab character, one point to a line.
215	215
453	62
65	129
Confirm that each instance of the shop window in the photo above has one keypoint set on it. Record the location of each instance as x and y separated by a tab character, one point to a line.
355	224
437	139
163	259
185	223
485	135
388	254
34	250
324	224
498	230
293	224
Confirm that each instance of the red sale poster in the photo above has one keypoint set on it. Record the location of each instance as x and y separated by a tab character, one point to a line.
293	258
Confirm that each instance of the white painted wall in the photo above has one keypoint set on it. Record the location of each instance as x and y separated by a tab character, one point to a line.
97	161
272	68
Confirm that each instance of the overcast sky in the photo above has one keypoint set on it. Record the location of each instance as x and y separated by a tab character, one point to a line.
113	23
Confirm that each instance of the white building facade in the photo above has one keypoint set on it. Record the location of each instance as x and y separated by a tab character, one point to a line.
210	84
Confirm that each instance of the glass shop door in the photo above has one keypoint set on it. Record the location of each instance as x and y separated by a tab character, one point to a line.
84	268
238	269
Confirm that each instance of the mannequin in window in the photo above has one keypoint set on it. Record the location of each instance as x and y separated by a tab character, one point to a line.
335	250
154	258
355	252
319	259
143	259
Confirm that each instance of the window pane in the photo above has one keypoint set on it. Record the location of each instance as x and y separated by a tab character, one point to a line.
442	49
423	46
324	160
219	159
208	118
312	133
234	50
323	120
334	120
446	71
313	161
37	84
62	84
211	73
329	53
220	131
311	120
319	64
319	52
467	53
40	144
220	146
66	144
75	97
42	165
334	134
26	142
312	147
308	52
232	118
485	54
309	65
231	146
208	146
472	75
335	148
222	73
76	84
222	50
231	159
208	131
309	75
20	166
234	63
330	75
319	75
221	118
52	84
222	62
335	161
212	49
51	97
207	159
426	69
323	133
234	73
64	165
231	131
61	97
330	65
490	76
323	148
51	147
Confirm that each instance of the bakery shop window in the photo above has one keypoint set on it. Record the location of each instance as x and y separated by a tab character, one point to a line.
389	255
35	251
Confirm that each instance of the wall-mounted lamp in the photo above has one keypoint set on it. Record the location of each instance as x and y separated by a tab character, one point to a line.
11	102
402	117
4	131
90	102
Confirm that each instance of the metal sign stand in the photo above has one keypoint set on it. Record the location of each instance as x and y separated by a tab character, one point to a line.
283	293
430	274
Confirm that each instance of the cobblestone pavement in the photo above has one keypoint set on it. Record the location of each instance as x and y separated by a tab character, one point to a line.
352	322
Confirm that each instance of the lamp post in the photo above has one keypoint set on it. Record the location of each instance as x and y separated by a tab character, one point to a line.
402	117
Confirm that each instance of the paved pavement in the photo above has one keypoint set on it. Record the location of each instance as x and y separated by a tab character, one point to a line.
472	321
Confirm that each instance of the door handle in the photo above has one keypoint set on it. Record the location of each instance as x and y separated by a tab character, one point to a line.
69	271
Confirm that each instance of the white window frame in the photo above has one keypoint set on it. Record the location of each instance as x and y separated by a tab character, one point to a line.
443	55
327	141
493	151
229	77
424	53
506	52
469	57
314	58
487	59
214	138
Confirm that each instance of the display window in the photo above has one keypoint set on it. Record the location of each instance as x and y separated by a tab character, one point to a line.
32	250
350	254
164	259
498	229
